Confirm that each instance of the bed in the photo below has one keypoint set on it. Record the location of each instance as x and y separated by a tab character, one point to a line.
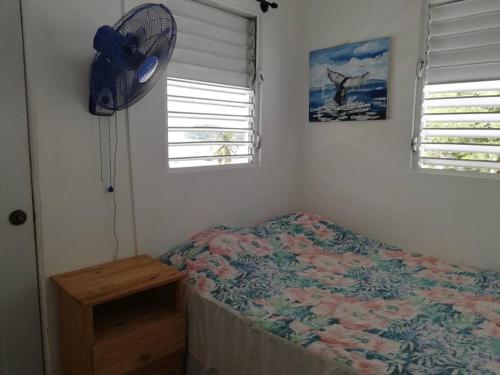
302	295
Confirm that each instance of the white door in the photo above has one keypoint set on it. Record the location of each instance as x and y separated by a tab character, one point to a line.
20	334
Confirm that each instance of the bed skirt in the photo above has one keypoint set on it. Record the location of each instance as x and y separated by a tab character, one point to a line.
223	342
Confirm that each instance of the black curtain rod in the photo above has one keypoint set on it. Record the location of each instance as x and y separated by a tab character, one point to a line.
265	5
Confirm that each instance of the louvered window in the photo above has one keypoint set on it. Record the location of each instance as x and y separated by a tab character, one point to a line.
211	90
460	80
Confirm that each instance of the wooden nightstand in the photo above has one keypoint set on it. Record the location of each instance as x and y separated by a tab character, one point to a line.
123	317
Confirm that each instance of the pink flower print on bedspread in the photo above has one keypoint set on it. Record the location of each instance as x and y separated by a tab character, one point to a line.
204	237
215	263
205	285
308	296
234	245
351	312
370	307
336	263
315	224
467	303
298	244
451	278
488	329
338	336
328	278
433	264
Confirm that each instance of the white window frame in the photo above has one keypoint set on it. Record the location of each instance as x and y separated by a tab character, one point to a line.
418	106
241	8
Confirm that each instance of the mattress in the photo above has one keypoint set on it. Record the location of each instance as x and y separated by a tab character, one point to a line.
340	301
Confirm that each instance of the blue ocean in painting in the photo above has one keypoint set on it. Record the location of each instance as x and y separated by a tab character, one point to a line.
349	82
369	103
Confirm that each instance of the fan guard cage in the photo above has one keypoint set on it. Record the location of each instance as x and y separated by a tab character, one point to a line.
146	32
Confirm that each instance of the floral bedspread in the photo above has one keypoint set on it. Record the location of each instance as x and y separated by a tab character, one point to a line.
365	304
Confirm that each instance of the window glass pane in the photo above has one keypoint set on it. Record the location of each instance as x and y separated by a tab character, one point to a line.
460	127
184	120
204	106
209	162
209	124
208	136
221	150
193	90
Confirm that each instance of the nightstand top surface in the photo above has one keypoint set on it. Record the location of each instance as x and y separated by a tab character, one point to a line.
109	281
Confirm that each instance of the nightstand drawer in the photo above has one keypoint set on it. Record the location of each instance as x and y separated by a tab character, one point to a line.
139	344
173	364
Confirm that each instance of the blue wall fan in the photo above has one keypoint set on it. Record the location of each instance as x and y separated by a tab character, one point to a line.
130	58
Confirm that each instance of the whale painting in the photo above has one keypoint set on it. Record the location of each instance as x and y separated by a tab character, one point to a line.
349	82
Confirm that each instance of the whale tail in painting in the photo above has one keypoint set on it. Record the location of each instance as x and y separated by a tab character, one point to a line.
343	83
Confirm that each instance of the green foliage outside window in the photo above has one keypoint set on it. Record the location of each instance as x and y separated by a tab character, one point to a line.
464	125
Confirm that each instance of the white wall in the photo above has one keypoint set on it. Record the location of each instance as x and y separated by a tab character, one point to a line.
74	211
358	173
